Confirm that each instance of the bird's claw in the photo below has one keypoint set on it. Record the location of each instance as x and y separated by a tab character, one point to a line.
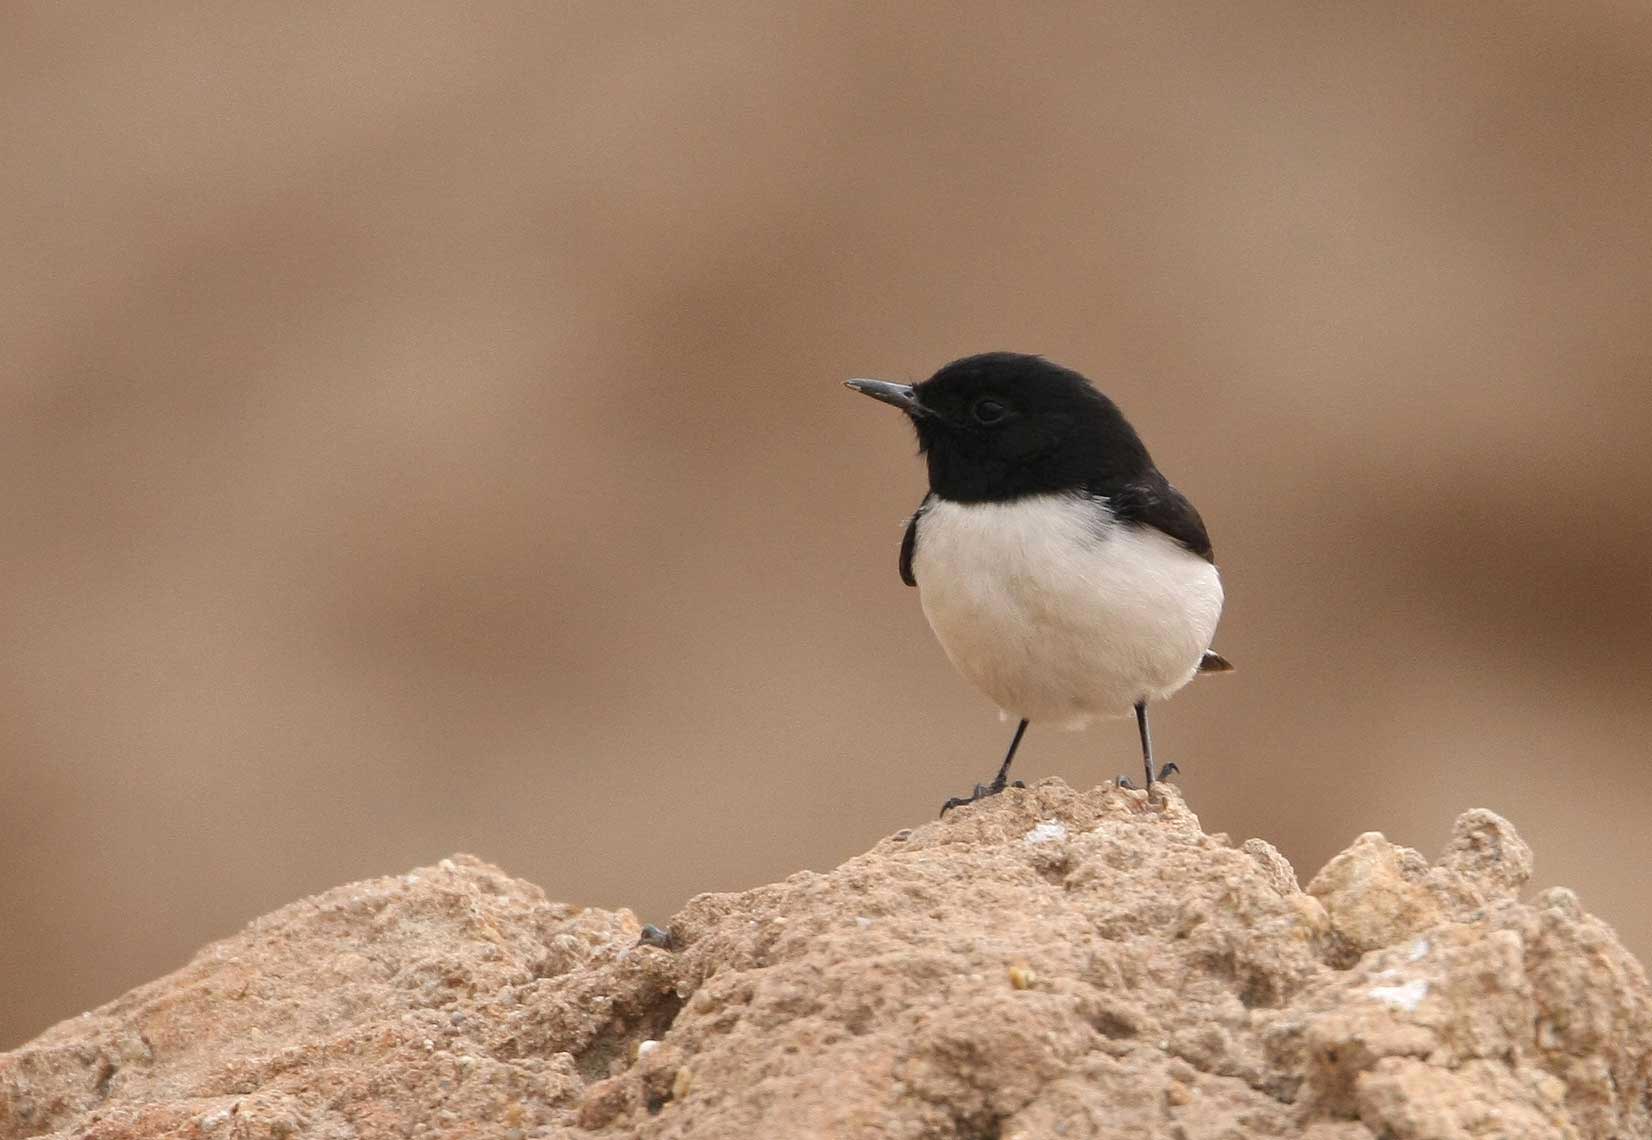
982	791
1170	769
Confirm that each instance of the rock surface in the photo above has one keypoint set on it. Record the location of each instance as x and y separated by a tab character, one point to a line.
1048	963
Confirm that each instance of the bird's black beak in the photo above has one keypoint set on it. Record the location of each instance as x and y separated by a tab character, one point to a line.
901	395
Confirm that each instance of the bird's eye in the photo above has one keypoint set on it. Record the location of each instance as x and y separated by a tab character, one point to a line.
989	411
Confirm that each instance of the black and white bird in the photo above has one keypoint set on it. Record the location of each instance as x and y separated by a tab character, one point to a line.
1061	572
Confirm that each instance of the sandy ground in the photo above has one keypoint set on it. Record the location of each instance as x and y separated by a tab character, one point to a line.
1049	963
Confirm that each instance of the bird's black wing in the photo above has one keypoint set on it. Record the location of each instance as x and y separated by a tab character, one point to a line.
1150	500
909	542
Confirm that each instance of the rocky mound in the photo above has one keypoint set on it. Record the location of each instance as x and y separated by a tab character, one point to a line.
1048	963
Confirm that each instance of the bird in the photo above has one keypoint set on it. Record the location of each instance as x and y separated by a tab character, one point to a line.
1061	572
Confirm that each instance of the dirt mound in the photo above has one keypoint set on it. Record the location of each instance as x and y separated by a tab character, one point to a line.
1049	963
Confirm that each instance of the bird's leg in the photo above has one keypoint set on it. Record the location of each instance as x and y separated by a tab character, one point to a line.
1147	752
982	791
1146	741
1004	768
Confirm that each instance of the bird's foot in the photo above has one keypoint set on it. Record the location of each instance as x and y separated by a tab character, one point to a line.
982	791
1165	773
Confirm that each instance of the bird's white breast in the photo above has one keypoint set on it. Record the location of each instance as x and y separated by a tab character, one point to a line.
1058	612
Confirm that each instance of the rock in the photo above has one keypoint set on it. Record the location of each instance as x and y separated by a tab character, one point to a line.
1486	853
1045	963
1375	894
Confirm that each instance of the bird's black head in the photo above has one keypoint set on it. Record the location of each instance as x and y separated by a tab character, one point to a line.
1002	425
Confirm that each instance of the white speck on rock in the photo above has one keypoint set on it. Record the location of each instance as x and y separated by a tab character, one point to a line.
646	1047
1050	831
1419	948
1407	997
213	1119
863	922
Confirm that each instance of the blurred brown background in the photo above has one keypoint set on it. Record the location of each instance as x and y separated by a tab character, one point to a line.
422	431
